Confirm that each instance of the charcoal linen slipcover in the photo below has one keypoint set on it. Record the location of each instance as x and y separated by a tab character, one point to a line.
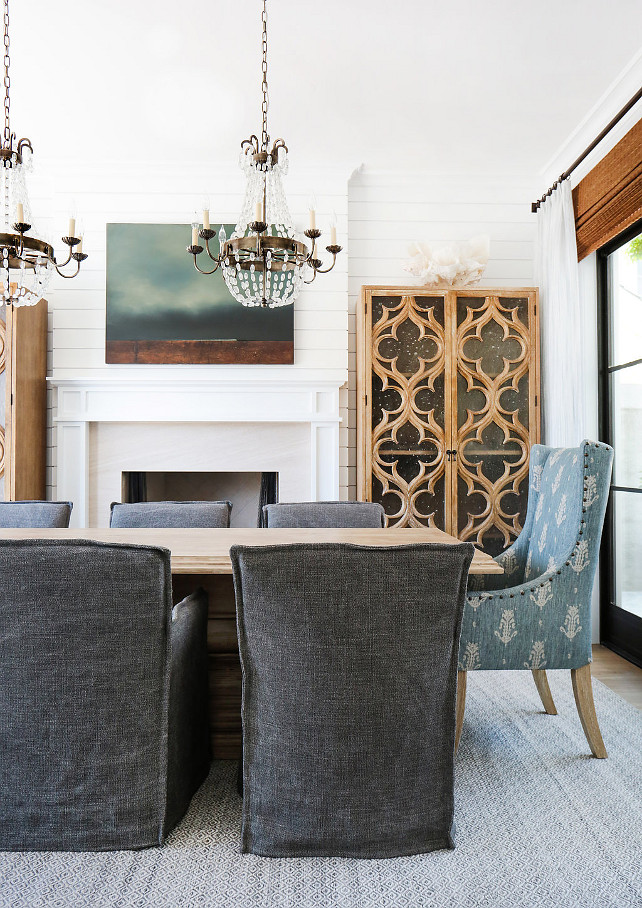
349	514
175	514
37	514
103	696
349	658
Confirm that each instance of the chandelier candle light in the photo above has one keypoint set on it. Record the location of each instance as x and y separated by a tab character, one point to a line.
27	262
263	263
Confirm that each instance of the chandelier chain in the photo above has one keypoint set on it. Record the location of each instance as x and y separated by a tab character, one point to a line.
263	262
7	81
265	139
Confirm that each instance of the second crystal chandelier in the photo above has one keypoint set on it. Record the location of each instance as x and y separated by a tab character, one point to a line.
263	262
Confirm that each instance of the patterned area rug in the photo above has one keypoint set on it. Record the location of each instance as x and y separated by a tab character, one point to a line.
539	823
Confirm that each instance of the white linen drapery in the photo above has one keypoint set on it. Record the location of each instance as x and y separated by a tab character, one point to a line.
561	321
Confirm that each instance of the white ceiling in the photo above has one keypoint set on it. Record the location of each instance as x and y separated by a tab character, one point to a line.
472	86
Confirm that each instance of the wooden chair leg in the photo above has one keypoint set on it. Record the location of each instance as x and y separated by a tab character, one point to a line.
541	683
462	677
583	690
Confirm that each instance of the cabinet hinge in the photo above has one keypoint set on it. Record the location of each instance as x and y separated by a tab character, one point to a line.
11	398
536	400
366	400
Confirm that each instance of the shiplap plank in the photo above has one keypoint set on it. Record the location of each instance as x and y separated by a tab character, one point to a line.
385	247
383	271
444	229
413	211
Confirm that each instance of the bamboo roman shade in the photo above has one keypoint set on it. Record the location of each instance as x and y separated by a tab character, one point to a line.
609	198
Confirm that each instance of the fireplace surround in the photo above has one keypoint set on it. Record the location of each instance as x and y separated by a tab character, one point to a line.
287	423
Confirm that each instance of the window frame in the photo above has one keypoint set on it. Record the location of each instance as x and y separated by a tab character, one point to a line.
620	630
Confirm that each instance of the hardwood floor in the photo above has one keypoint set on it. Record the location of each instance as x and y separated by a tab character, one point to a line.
621	676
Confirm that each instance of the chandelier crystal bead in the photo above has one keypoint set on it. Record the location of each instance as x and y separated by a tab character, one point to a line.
263	263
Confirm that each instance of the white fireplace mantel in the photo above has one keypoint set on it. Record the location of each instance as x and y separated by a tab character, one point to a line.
309	397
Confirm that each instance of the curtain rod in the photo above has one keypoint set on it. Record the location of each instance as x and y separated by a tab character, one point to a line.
616	119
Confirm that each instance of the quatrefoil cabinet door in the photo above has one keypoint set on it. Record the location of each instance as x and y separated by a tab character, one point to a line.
495	413
404	407
447	408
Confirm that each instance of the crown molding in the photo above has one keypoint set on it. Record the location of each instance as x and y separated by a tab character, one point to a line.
614	98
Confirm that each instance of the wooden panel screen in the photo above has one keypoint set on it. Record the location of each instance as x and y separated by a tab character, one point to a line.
25	429
609	198
448	408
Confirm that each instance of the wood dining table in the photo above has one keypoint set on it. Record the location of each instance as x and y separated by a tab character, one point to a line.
207	551
201	557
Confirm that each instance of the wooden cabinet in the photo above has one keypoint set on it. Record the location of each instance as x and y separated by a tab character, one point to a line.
23	391
448	407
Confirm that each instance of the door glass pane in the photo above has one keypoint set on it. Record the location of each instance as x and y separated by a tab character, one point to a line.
626	304
625	417
627	512
626	420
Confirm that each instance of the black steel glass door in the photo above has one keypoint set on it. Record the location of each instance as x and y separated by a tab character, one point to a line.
620	286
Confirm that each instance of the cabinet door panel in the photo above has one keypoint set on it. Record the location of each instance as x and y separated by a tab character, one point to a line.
408	408
493	417
26	408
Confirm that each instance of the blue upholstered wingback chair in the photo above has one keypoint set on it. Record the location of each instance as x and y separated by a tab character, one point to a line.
537	615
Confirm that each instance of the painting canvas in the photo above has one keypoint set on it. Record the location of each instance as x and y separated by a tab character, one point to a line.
161	310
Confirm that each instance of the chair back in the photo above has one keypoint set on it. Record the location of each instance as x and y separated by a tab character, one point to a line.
176	514
567	499
41	515
84	686
348	514
349	658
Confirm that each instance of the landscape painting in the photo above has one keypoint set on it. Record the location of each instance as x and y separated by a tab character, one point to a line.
161	310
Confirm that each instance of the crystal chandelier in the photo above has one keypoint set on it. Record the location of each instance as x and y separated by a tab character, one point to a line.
263	262
26	262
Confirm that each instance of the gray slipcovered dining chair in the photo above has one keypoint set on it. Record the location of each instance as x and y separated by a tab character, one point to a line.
174	514
103	696
348	712
40	515
537	615
319	514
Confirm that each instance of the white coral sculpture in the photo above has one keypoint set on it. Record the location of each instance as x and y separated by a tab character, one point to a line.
454	264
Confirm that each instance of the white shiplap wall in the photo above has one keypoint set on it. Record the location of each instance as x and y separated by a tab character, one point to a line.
389	211
106	194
